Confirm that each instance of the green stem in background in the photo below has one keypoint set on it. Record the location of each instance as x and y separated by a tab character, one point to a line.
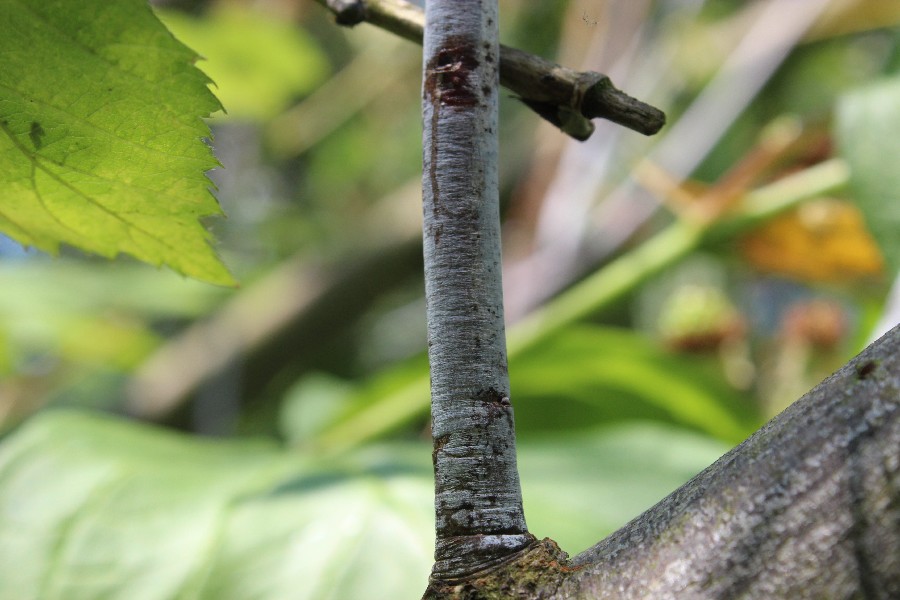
667	247
598	292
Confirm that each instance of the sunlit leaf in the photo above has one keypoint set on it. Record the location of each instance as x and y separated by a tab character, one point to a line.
868	127
92	313
101	135
851	16
588	376
391	399
311	403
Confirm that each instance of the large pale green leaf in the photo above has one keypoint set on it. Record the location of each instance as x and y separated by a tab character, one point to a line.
91	508
101	134
869	135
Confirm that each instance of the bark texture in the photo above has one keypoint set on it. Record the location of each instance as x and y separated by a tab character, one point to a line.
477	496
807	507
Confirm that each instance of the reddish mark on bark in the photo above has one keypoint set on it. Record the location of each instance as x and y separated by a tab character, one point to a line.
448	75
448	82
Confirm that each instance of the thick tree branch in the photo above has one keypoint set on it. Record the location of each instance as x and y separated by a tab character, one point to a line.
807	507
569	99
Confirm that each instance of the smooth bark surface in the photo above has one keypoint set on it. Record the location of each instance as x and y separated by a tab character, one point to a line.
807	507
478	502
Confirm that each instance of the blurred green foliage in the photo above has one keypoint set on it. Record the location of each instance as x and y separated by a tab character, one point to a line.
258	64
315	368
868	126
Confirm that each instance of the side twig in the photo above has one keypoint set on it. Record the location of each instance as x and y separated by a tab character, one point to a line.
567	98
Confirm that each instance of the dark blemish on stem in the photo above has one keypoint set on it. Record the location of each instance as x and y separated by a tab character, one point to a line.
439	443
497	401
348	12
865	369
448	75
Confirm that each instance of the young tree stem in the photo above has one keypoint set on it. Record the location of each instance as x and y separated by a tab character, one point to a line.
478	503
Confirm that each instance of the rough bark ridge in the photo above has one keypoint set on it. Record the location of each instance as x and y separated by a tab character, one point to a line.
478	503
807	507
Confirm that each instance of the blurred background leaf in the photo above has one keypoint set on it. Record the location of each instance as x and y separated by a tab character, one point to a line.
108	509
868	129
823	241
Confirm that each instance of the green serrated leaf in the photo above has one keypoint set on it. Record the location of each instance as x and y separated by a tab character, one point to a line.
101	135
868	126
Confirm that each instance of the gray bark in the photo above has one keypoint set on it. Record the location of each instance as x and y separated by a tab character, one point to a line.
478	504
807	507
